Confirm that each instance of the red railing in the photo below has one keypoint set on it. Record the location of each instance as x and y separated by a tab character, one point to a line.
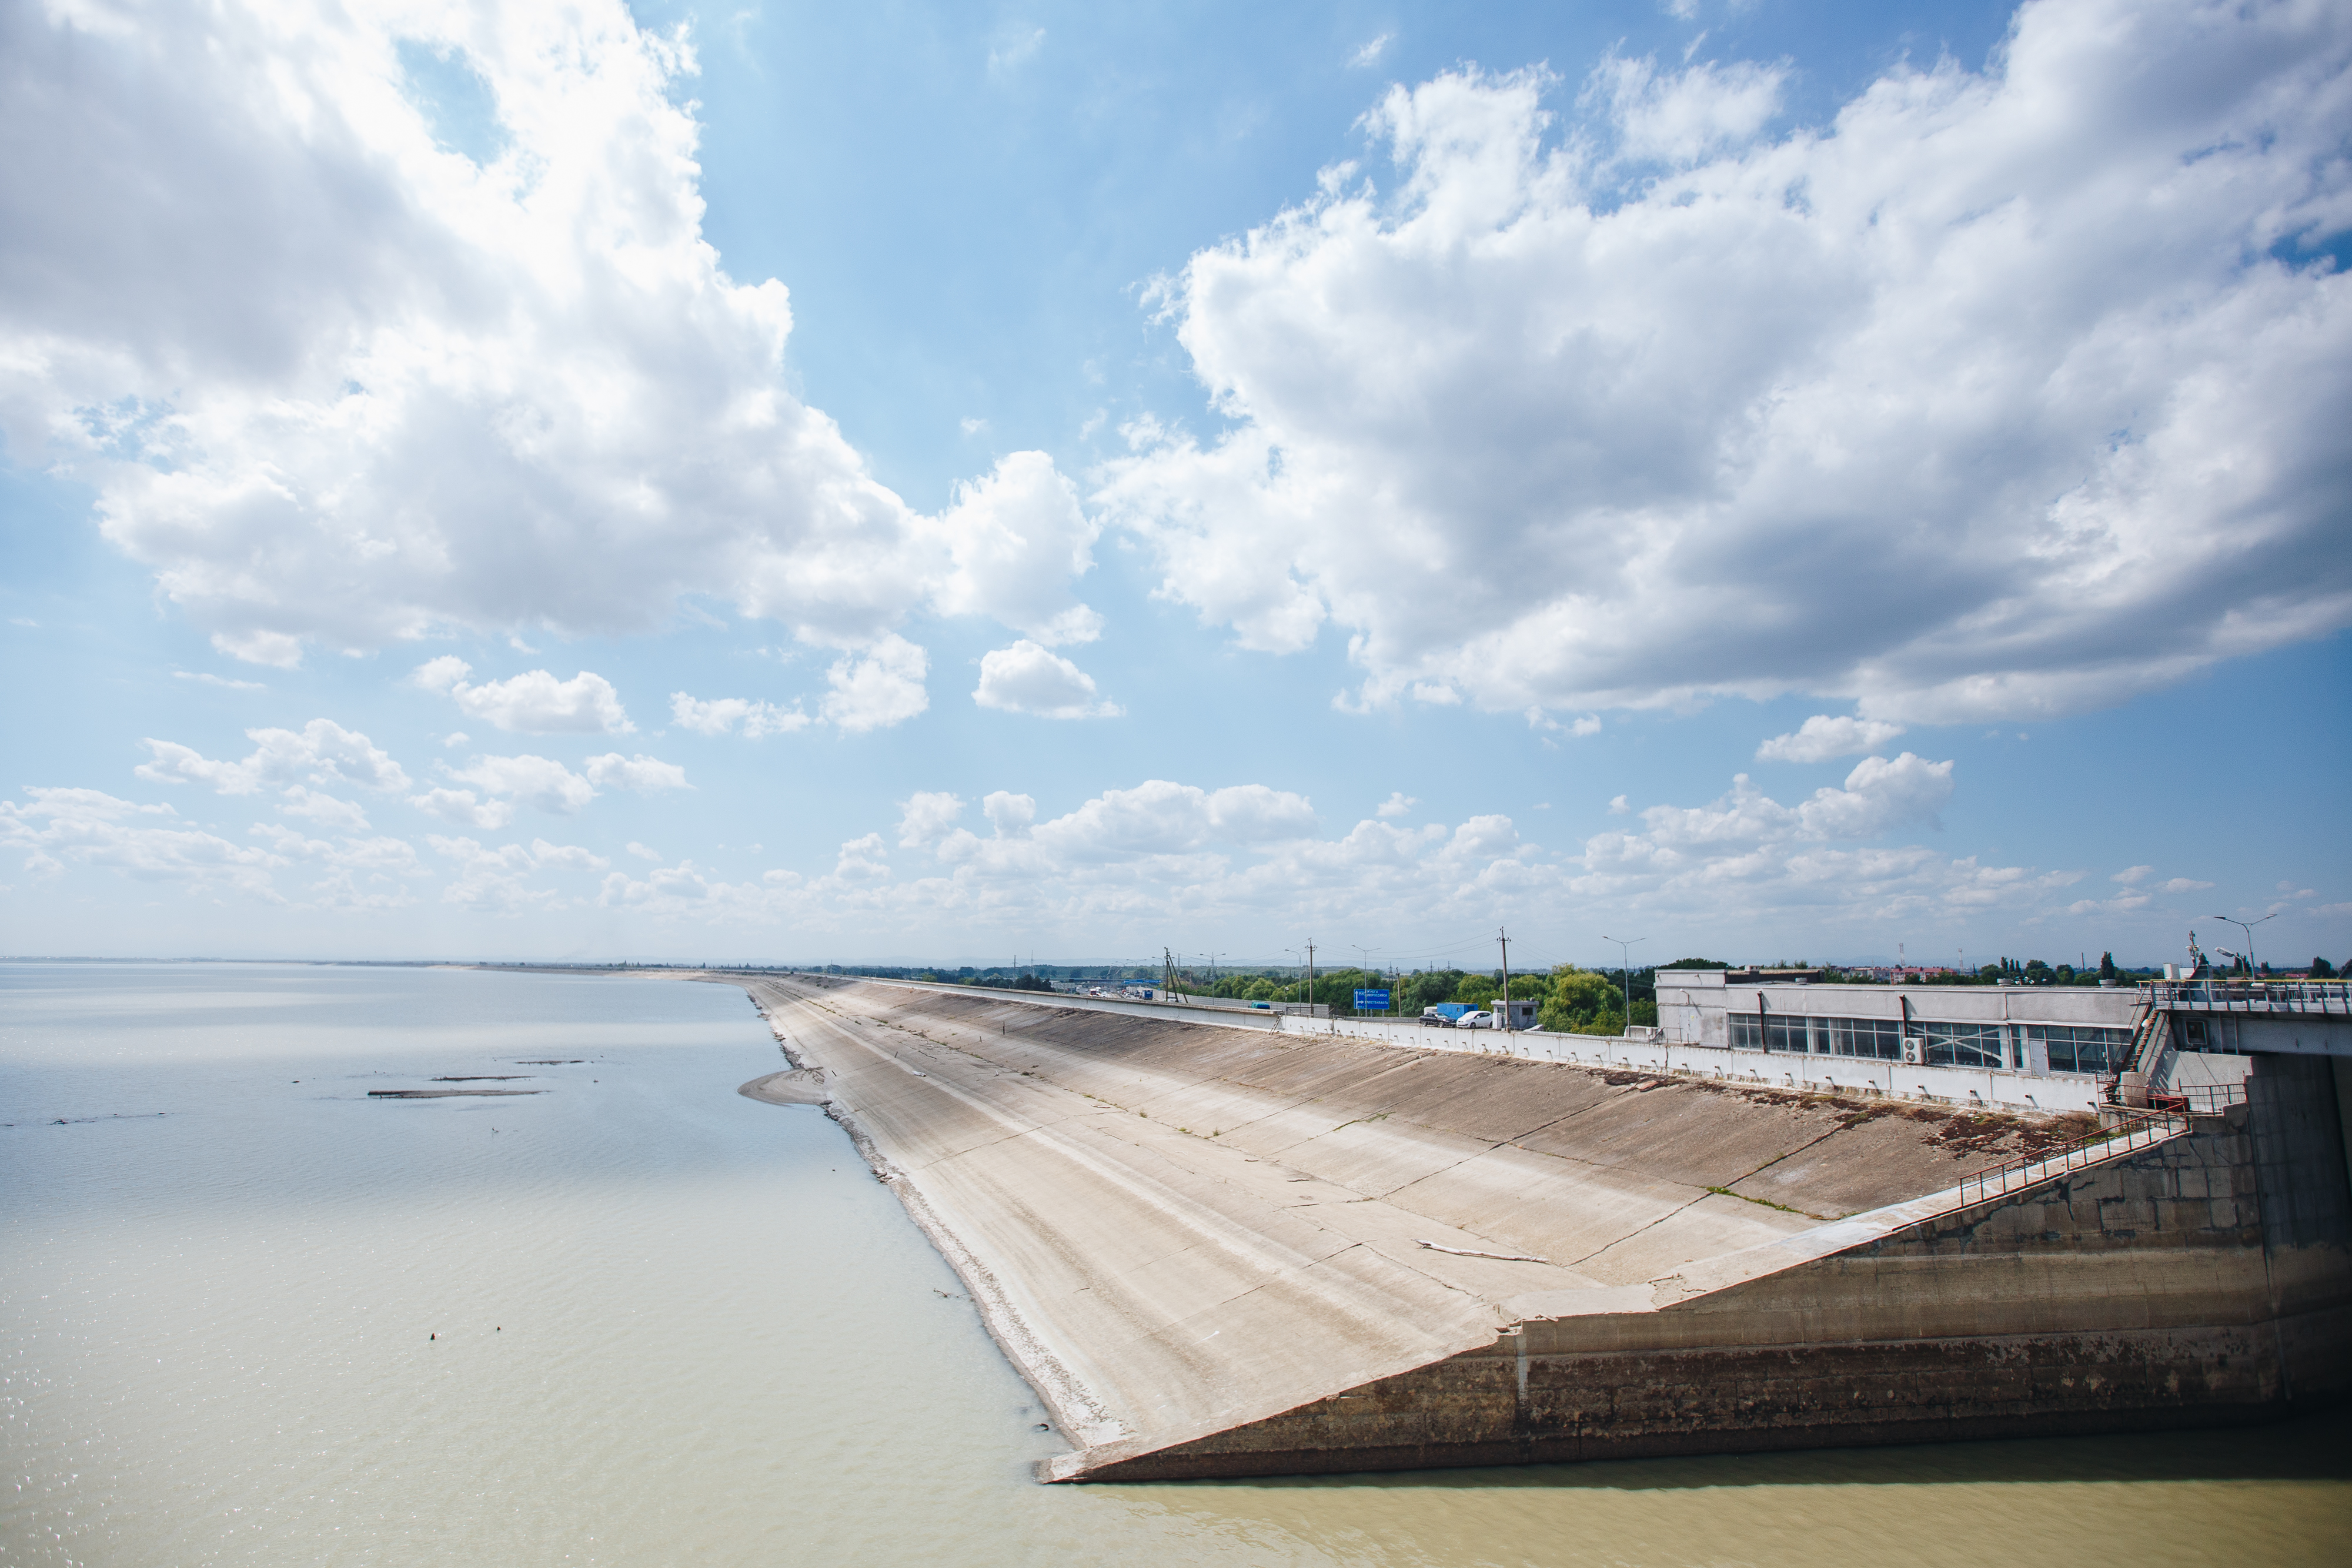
2011	1175
2205	1098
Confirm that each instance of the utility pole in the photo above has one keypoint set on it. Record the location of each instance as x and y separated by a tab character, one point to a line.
1504	938
1310	977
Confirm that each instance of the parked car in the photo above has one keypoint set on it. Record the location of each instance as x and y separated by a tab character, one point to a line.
1445	1015
1481	1019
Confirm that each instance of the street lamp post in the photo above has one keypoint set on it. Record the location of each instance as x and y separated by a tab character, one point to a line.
1367	965
2248	927
1625	973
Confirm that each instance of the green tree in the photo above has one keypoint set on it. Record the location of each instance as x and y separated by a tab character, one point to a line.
2107	965
1428	989
1577	999
2321	969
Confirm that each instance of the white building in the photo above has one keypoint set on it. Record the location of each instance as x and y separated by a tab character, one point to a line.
2036	1030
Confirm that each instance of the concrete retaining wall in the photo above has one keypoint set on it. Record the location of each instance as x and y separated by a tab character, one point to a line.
2204	1282
1227	1252
1782	1069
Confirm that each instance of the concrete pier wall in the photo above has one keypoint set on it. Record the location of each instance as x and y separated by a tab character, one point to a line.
2205	1281
1221	1251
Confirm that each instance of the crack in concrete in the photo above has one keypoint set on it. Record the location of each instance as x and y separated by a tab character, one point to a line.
1578	1262
1775	1160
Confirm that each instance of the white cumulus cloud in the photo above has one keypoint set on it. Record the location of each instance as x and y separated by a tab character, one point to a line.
642	773
1822	736
499	881
1158	816
1681	116
357	874
878	688
56	827
1878	797
1016	538
535	703
321	752
324	810
1010	814
339	383
925	815
2001	393
499	784
720	716
464	807
1027	678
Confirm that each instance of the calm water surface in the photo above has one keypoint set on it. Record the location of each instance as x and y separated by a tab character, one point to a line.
637	1319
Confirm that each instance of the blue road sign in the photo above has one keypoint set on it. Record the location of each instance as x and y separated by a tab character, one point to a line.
1371	1001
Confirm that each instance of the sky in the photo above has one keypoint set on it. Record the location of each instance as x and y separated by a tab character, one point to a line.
964	484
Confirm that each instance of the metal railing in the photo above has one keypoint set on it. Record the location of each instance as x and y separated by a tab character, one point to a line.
2331	997
2204	1099
2012	1176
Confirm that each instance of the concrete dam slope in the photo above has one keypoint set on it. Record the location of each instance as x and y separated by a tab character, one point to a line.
1220	1252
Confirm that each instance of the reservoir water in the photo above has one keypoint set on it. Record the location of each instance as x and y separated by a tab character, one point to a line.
249	1314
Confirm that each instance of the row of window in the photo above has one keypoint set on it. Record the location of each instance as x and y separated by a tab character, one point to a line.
2071	1047
2082	1048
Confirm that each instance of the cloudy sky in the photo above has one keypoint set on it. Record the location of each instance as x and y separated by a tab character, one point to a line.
950	482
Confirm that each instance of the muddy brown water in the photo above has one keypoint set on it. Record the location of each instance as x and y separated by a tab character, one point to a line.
642	1318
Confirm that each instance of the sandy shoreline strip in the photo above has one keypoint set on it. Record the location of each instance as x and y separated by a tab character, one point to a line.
798	1086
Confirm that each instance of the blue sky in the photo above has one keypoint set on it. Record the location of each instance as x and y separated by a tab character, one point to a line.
929	483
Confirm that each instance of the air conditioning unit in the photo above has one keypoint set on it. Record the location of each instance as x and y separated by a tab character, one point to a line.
1915	1052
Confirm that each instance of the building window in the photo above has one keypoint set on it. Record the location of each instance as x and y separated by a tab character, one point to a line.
1963	1044
1881	1039
2081	1048
2208	1036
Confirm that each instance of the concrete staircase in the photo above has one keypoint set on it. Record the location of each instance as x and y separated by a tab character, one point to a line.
2151	1040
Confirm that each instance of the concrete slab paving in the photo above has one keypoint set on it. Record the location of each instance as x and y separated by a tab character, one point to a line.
1253	1242
1542	1204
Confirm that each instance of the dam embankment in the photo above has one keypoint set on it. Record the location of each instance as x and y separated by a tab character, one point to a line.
1232	1251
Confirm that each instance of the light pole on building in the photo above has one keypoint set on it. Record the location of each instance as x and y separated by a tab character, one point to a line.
1625	948
2248	927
